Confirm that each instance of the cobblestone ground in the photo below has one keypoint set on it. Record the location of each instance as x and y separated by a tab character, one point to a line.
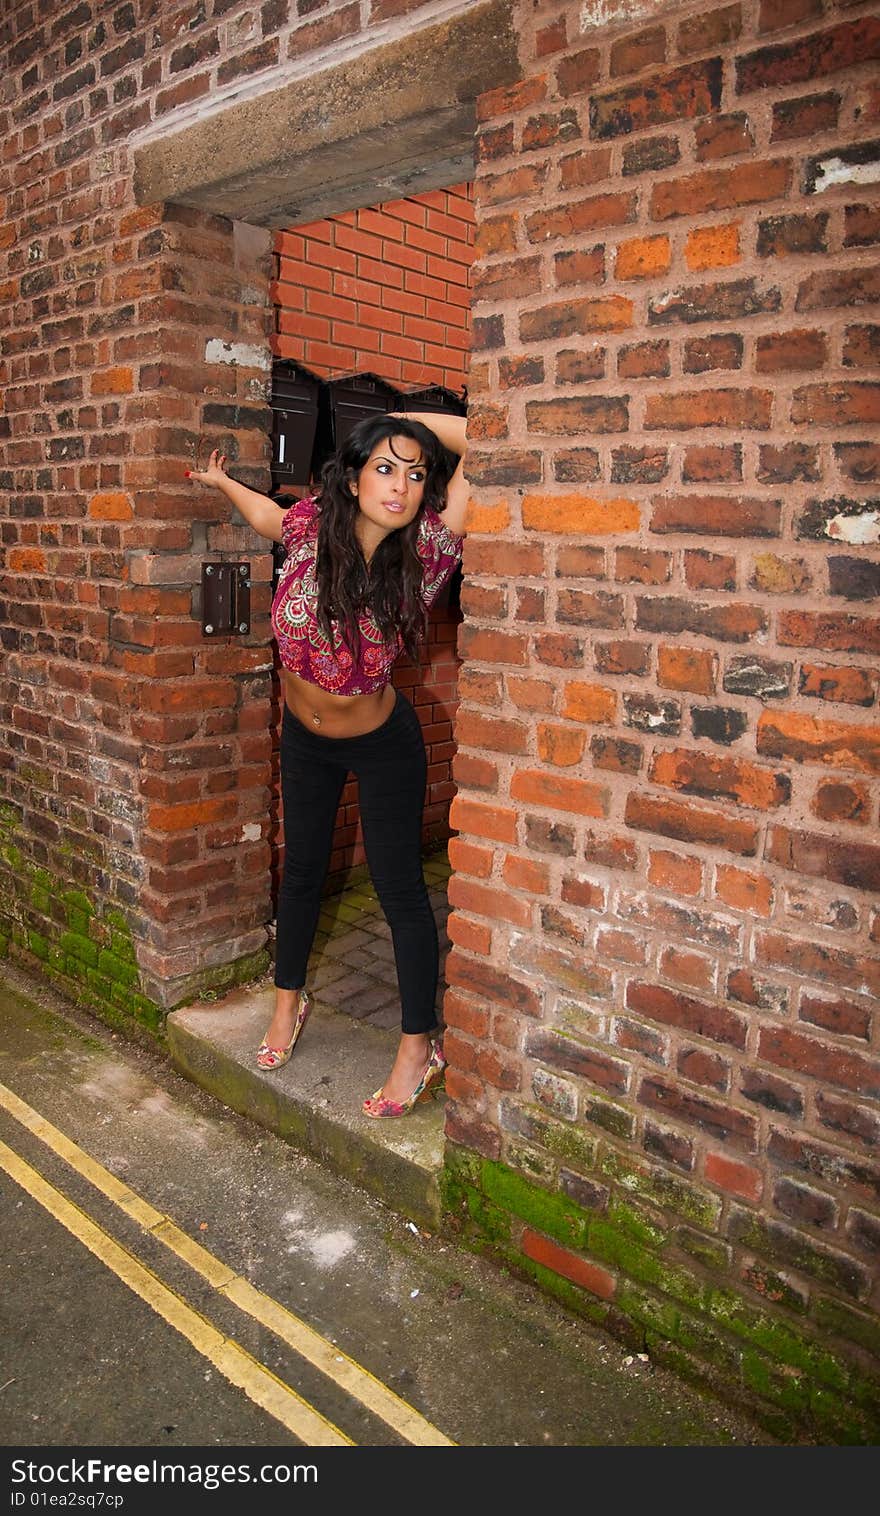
351	967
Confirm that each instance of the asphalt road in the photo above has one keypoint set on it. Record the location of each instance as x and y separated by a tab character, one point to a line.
173	1278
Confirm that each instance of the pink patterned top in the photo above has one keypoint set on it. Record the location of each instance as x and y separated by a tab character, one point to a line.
302	646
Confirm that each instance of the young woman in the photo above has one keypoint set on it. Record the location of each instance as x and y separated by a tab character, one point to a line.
366	557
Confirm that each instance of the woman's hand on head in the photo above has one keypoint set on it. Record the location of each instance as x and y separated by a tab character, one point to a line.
214	473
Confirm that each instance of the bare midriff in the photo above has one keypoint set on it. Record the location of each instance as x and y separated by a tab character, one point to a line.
336	715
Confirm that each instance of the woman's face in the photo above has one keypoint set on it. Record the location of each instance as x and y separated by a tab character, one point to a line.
388	489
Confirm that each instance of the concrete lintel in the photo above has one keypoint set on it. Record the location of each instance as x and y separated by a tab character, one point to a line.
393	121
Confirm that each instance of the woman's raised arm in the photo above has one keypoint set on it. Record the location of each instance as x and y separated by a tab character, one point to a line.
451	430
258	510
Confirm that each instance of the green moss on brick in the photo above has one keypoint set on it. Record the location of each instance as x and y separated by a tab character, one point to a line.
493	1222
612	1245
639	1224
610	1117
779	1339
79	948
706	1250
78	910
665	1190
833	1316
561	1138
550	1213
38	945
119	970
662	1315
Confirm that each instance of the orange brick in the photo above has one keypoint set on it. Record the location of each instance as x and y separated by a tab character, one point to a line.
744	891
642	258
672	871
579	513
562	746
27	560
491	821
560	1261
526	874
712	247
113	381
693	669
593	703
735	1178
470	858
473	936
111	507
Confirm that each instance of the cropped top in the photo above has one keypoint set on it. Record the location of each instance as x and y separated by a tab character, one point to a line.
303	647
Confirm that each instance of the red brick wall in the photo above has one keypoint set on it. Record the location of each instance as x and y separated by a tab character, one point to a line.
665	882
385	290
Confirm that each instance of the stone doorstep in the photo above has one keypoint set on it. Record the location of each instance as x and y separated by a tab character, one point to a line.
314	1101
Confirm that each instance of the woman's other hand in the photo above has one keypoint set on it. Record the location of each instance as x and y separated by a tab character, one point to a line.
214	473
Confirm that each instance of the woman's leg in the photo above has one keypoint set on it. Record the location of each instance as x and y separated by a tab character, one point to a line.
392	773
311	785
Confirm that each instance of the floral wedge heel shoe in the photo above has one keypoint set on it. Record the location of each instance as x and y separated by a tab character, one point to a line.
379	1108
275	1058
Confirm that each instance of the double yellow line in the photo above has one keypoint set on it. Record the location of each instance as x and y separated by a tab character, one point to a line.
261	1386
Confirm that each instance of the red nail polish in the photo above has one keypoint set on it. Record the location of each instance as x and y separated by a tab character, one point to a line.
187	474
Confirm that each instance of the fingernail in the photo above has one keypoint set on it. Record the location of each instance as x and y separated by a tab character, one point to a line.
187	475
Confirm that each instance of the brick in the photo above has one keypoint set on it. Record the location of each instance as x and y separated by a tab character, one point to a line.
579	366
575	514
737	408
763	678
772	1093
495	823
805	739
689	823
490	984
832	1065
709	571
693	969
694	669
621	657
840	1016
579	465
644	360
671	1146
567	318
709	29
851	404
832	633
779	236
577	1059
804	1204
635	565
788	462
842	1116
526	874
642	258
773	575
615	755
861	347
708	464
735	1178
577	796
660	718
720	724
712	247
558	745
835	682
590	703
861	225
550	1255
744	891
720	778
810	854
806	116
737	1128
486	900
791	350
839	289
580	216
858	461
717	515
727	623
720	350
650	155
811	960
720	189
809	58
675	95
839	801
683	875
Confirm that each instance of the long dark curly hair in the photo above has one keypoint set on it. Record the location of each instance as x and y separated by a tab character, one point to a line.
390	585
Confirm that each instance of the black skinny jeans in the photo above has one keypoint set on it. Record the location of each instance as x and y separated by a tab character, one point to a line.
390	765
